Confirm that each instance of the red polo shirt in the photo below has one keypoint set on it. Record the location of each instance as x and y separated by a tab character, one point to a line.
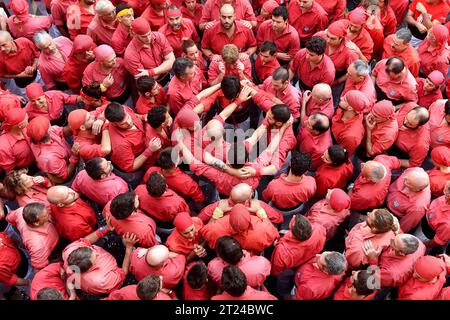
322	213
438	179
409	206
56	100
155	20
182	245
140	56
348	133
78	19
342	56
329	177
410	56
242	9
343	293
289	96
384	135
144	104
215	38
439	128
314	145
75	221
311	283
290	252
438	217
249	294
164	208
416	142
285	194
179	182
436	12
309	22
120	40
322	73
404	89
426	99
263	71
49	277
187	30
433	58
366	194
15	152
9	260
193	16
16	62
124	293
73	73
335	9
363	40
204	293
287	42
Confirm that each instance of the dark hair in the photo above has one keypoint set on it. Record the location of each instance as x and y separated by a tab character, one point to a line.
280	73
237	155
320	125
93	90
164	159
384	221
316	45
180	65
447	107
269	46
115	112
186	44
93	168
281	112
49	294
231	86
362	283
395	65
31	211
302	229
281	11
148	288
145	84
197	275
229	250
300	162
422	115
122	6
81	258
156	116
156	184
338	155
234	281
122	206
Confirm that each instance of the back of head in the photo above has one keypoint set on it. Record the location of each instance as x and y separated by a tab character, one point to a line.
92	90
157	255
231	86
181	65
49	294
447	108
335	263
114	112
374	171
410	243
165	158
422	115
31	211
364	283
281	112
384	221
186	44
321	122
300	162
229	250
145	84
240	219
197	275
80	258
395	65
149	287
302	229
234	281
123	205
361	67
280	11
316	45
157	116
338	155
93	168
269	46
230	53
281	74
156	184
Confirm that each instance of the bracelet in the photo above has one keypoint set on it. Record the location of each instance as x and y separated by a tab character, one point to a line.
258	172
101	232
148	153
151	72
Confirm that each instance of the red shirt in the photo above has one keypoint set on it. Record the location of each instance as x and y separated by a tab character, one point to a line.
27	28
49	277
285	194
73	73
426	99
314	145
138	223
56	100
309	76
263	71
438	217
395	269
78	19
164	136
255	268
215	38
361	232
409	206
307	23
249	294
416	142
311	283
187	30
287	42
329	177
230	70
74	221
120	40
164	208
144	104
140	56
439	128
366	86
437	12
384	135
100	31
204	293
348	133
410	56
399	7
211	11
155	20
323	214
124	293
15	152
182	245
193	16
366	194
335	9
290	252
59	9
342	56
126	145
172	270
343	292
138	6
15	62
433	58
363	40
289	96
9	260
438	179
404	89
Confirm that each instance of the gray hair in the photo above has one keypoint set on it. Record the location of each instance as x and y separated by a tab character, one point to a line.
40	37
404	34
410	242
336	263
361	67
378	172
102	5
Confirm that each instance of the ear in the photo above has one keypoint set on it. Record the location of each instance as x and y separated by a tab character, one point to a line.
102	176
36	224
60	205
83	127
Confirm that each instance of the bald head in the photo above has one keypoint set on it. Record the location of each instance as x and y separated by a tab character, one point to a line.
157	255
227	9
5	36
417	179
321	91
374	171
215	129
57	194
241	192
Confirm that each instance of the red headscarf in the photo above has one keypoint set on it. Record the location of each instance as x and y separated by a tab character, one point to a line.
436	77
82	43
38	128
103	52
140	26
20	9
441	33
384	109
13	117
34	90
182	221
339	200
337	28
428	267
187	118
358	16
240	219
270	5
76	119
357	100
441	155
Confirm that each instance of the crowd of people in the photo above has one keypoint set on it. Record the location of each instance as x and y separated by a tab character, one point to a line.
224	150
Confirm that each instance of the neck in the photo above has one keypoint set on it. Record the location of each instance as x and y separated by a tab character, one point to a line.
444	169
169	171
293	178
15	131
348	114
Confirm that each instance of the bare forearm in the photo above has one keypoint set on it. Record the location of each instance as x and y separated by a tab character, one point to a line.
165	67
127	260
106	143
139	161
